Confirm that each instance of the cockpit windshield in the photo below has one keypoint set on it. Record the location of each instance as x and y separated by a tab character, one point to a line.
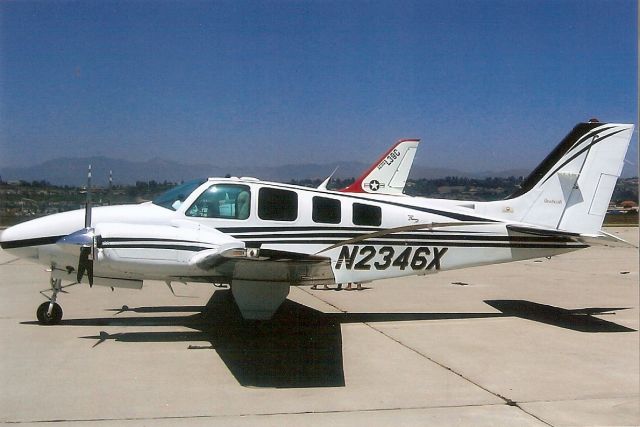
172	199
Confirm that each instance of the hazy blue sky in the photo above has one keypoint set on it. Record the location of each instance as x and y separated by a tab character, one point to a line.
484	84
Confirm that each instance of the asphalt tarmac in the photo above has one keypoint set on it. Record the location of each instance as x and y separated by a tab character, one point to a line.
533	343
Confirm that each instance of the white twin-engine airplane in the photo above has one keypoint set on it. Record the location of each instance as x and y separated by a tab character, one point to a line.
263	237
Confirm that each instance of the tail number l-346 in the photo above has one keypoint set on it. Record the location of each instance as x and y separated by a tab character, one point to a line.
368	257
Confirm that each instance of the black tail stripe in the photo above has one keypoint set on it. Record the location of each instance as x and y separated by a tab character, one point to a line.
589	135
595	141
568	142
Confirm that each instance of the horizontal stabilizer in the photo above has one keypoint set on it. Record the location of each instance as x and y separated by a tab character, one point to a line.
602	238
606	239
539	231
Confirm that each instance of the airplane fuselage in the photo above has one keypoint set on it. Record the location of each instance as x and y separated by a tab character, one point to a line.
158	242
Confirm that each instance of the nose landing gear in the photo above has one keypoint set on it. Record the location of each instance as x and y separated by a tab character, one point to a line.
50	312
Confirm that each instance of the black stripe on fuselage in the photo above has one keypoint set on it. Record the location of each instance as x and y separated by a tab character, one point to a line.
144	239
384	242
24	243
531	242
239	232
230	230
157	246
533	245
310	237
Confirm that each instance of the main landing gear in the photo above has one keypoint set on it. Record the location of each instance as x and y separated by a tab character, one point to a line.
50	312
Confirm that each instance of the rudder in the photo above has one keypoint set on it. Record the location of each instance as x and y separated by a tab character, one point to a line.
571	189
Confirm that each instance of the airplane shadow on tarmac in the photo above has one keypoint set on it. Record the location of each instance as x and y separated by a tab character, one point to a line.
301	347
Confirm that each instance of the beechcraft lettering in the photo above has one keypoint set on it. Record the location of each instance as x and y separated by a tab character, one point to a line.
260	238
384	257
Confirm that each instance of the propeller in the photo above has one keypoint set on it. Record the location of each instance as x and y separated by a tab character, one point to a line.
87	250
84	238
87	205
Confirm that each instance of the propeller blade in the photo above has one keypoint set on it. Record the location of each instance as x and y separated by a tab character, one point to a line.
87	209
83	261
85	265
90	272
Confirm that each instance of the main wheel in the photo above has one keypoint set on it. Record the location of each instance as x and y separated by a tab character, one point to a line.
46	319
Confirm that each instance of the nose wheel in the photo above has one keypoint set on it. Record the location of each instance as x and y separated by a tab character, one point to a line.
50	312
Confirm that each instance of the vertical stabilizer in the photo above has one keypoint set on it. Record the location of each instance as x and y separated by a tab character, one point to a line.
571	189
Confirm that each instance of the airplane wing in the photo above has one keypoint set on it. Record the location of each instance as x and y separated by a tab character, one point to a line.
268	265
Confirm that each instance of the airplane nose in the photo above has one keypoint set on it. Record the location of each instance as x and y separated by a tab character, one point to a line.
15	241
22	240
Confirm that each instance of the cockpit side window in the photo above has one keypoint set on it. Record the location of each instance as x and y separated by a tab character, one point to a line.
172	199
225	201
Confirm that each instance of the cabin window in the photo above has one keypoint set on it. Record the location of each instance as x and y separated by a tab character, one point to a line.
277	205
225	201
326	210
367	214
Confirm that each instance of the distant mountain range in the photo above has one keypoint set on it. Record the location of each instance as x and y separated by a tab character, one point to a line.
73	171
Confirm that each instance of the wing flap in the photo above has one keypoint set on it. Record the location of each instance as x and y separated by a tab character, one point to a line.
269	265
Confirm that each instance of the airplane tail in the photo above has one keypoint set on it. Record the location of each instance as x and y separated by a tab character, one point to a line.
571	189
389	174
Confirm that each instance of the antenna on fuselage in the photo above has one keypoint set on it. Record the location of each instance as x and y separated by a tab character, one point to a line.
326	182
110	188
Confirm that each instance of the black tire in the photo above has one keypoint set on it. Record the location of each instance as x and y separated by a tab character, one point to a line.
44	319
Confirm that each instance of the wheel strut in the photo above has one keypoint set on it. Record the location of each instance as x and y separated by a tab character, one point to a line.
55	287
50	313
